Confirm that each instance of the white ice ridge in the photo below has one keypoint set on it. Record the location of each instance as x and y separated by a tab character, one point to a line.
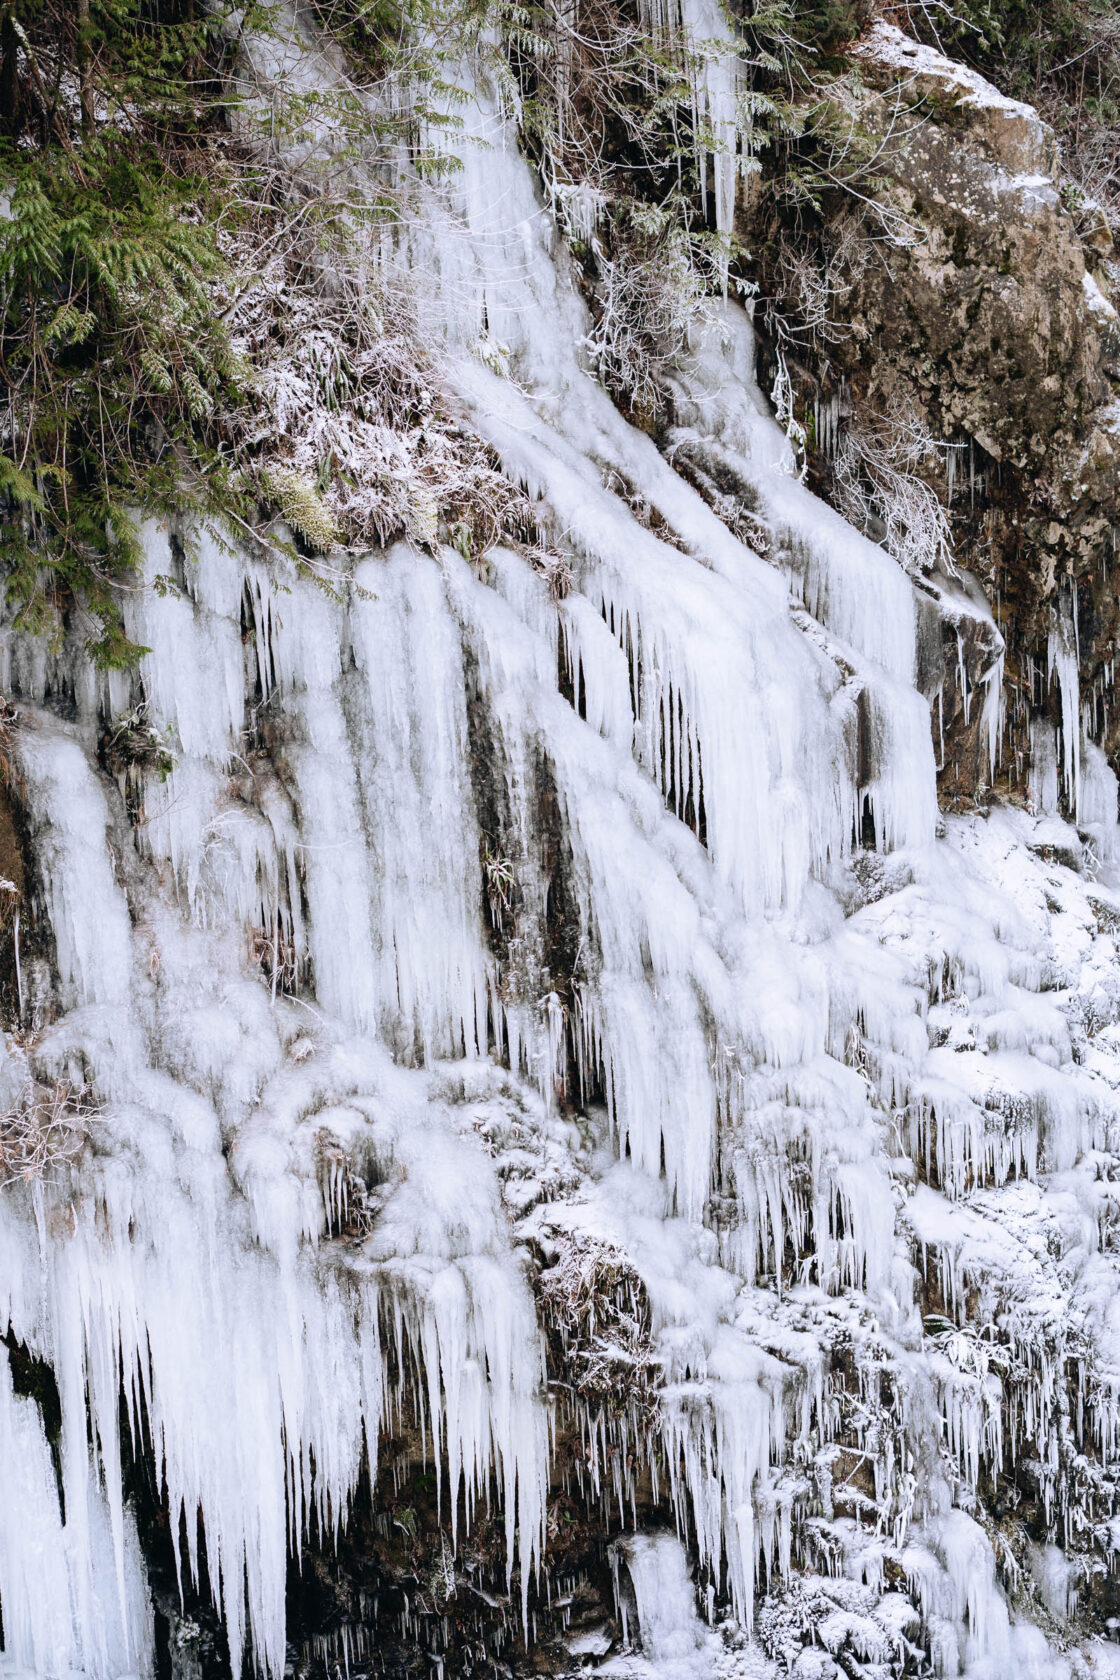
615	843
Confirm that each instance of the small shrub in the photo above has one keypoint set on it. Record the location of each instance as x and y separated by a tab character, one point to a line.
44	1132
595	1301
134	751
878	488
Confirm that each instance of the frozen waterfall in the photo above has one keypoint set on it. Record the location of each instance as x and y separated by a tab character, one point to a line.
474	929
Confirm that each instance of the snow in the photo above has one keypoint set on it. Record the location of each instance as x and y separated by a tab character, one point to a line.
1097	303
886	44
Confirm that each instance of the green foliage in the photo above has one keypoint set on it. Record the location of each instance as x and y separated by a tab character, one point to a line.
407	41
114	360
825	25
111	350
412	52
142	243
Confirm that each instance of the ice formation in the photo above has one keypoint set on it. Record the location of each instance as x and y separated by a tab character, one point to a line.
444	861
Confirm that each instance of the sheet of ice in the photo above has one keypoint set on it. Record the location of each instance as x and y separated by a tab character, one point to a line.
68	823
671	1634
197	1284
74	1594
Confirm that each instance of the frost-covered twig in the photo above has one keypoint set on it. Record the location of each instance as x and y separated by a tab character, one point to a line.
43	1132
595	1300
878	487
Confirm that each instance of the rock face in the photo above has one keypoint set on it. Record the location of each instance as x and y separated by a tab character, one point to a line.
982	307
991	311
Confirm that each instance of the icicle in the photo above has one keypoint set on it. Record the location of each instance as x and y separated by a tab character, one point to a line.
1062	661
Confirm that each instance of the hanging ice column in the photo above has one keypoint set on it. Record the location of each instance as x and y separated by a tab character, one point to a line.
183	1263
556	431
1062	660
382	787
717	105
374	734
729	709
74	1594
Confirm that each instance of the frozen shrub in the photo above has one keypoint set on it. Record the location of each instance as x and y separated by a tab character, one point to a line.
879	487
596	1302
43	1131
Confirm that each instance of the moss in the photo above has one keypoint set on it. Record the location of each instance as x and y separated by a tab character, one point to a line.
300	504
